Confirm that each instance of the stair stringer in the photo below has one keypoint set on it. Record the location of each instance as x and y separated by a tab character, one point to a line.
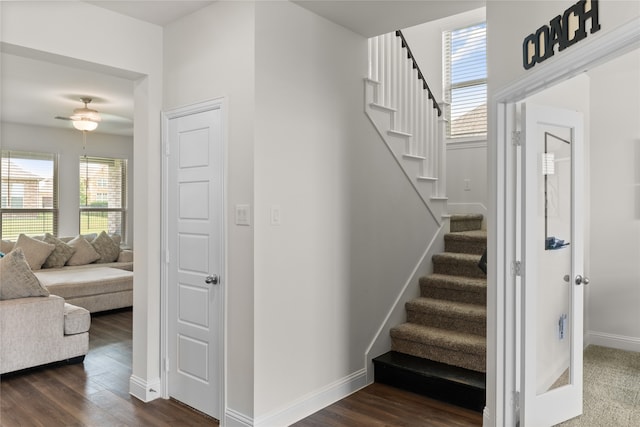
381	342
398	143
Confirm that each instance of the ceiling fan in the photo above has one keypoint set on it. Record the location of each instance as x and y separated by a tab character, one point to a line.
85	118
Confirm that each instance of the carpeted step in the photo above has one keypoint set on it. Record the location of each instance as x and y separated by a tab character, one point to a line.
466	242
451	384
465	222
453	348
450	315
454	288
456	264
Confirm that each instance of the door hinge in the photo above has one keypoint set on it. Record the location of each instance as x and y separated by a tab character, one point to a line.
516	268
516	138
166	364
166	256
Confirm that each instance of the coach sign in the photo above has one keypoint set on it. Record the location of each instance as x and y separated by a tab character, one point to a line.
563	30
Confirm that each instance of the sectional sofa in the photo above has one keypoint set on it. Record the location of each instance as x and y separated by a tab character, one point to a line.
49	287
98	275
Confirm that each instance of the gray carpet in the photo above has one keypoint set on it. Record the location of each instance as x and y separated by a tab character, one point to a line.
611	389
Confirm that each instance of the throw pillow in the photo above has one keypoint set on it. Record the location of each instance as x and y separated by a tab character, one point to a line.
84	254
6	246
60	254
16	278
35	251
116	238
106	247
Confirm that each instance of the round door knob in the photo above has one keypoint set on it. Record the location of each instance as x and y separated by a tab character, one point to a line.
580	280
211	279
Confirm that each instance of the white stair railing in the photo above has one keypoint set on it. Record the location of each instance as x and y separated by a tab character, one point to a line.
399	87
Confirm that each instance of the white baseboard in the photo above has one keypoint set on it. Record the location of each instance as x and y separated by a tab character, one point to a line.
315	401
486	418
233	418
620	342
144	390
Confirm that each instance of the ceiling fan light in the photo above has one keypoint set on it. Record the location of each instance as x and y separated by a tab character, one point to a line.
85	114
85	125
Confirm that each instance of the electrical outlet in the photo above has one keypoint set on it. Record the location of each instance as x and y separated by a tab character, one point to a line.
467	184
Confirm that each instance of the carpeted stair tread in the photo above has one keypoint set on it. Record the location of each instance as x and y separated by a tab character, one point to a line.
450	315
454	288
470	242
457	264
465	222
445	346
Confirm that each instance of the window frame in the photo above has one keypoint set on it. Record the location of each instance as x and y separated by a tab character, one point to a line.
122	210
53	210
448	87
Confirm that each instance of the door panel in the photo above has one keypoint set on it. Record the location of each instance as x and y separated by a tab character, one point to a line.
552	257
195	243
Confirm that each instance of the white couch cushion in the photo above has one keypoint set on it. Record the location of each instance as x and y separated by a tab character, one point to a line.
75	283
76	319
16	278
35	251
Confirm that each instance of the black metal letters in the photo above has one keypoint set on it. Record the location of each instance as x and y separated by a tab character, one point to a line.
563	30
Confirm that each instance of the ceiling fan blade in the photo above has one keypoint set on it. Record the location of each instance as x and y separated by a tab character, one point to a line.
62	118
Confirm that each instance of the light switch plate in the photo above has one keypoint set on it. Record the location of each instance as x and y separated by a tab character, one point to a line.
243	215
276	215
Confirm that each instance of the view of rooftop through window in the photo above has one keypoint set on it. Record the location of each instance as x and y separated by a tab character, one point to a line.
466	80
28	193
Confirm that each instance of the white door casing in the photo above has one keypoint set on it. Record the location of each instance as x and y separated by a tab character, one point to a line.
194	256
552	296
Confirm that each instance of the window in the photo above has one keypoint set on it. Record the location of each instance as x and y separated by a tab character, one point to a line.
465	81
28	194
103	195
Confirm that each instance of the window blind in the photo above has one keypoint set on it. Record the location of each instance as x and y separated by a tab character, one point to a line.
103	195
465	81
28	193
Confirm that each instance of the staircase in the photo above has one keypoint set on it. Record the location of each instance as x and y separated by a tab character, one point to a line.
403	110
441	350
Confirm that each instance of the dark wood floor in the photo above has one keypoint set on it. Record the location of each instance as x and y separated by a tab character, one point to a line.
380	405
96	394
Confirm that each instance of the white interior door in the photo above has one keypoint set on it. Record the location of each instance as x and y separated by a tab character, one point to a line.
551	266
195	259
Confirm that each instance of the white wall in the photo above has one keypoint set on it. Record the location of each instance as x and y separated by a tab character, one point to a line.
352	227
508	23
614	300
466	159
68	145
207	55
129	48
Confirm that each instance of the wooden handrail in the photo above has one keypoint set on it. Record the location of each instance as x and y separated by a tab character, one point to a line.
425	86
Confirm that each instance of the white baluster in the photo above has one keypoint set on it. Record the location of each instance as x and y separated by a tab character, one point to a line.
381	77
387	66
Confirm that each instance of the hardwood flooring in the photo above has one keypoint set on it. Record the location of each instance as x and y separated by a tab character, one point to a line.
382	405
96	394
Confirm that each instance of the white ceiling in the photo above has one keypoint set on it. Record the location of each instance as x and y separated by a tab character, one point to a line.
156	12
35	90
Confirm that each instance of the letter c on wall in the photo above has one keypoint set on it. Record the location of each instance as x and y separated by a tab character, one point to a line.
529	50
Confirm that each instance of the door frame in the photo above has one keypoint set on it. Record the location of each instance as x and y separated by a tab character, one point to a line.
501	395
221	345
